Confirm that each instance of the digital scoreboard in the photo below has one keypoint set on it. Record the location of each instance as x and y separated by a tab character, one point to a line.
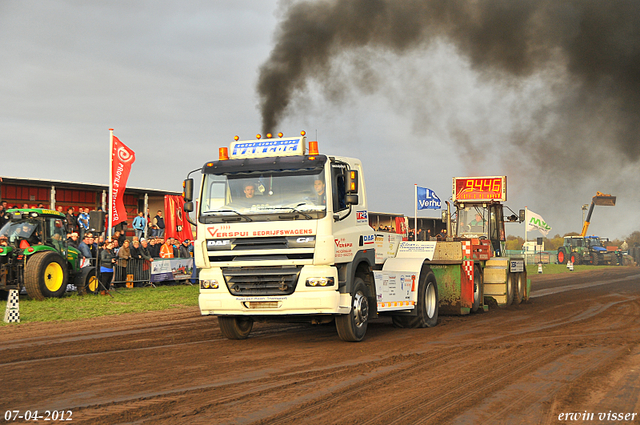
479	189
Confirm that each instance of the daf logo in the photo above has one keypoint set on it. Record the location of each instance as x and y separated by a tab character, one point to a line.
220	242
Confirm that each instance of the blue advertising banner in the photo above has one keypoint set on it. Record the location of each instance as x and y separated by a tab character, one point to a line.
427	199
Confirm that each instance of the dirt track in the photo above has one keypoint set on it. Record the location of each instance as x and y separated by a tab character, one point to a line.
572	351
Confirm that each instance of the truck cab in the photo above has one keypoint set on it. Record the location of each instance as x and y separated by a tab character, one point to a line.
282	231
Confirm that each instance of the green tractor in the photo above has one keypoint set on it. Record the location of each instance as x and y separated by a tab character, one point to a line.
34	255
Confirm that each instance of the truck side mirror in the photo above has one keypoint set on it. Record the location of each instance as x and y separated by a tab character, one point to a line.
351	184
521	216
188	207
187	191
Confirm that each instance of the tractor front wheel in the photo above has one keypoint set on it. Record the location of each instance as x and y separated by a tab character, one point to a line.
45	275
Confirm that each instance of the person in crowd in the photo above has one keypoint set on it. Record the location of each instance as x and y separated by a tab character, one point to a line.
135	250
83	222
84	247
116	246
144	250
166	250
73	241
183	251
124	255
119	236
155	248
176	247
139	224
71	221
107	261
158	223
2	213
59	209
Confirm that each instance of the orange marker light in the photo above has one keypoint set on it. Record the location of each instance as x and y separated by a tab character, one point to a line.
236	138
303	133
258	136
223	154
313	148
269	135
280	134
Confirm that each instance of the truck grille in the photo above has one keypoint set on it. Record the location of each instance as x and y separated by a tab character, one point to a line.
254	249
257	281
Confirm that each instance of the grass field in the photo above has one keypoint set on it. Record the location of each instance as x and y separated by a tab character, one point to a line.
135	300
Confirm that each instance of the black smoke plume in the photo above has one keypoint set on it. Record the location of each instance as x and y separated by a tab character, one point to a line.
595	42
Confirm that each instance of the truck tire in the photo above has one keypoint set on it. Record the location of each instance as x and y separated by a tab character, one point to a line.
562	256
352	327
511	288
518	287
575	258
46	275
235	327
427	308
478	290
87	281
594	259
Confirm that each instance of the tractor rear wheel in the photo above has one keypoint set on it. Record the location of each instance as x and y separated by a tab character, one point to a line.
594	259
46	275
562	256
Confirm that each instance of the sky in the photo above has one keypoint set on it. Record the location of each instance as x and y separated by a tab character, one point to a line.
176	81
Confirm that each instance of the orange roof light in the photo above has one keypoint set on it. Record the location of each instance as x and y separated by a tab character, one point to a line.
236	138
313	148
269	135
223	153
258	136
303	133
281	134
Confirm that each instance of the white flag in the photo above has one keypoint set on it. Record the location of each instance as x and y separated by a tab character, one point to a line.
536	222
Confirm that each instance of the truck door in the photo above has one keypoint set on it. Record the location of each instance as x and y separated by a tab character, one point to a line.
496	229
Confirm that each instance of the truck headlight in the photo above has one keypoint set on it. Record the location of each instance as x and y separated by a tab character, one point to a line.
320	281
209	284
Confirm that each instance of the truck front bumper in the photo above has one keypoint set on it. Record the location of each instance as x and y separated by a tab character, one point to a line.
303	301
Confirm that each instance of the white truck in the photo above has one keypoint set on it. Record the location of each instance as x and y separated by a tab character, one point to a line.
283	234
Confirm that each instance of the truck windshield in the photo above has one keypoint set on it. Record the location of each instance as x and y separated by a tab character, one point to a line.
267	196
472	221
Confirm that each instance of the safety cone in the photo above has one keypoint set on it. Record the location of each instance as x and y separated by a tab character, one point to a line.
570	266
12	312
539	267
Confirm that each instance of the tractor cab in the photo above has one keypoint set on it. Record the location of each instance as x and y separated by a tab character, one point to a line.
30	228
482	221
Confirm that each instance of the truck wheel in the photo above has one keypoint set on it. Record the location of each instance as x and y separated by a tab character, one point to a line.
562	256
518	288
426	309
45	275
235	327
478	292
353	326
594	259
86	281
575	258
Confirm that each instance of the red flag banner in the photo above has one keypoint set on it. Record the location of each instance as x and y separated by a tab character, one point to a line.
175	221
121	160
